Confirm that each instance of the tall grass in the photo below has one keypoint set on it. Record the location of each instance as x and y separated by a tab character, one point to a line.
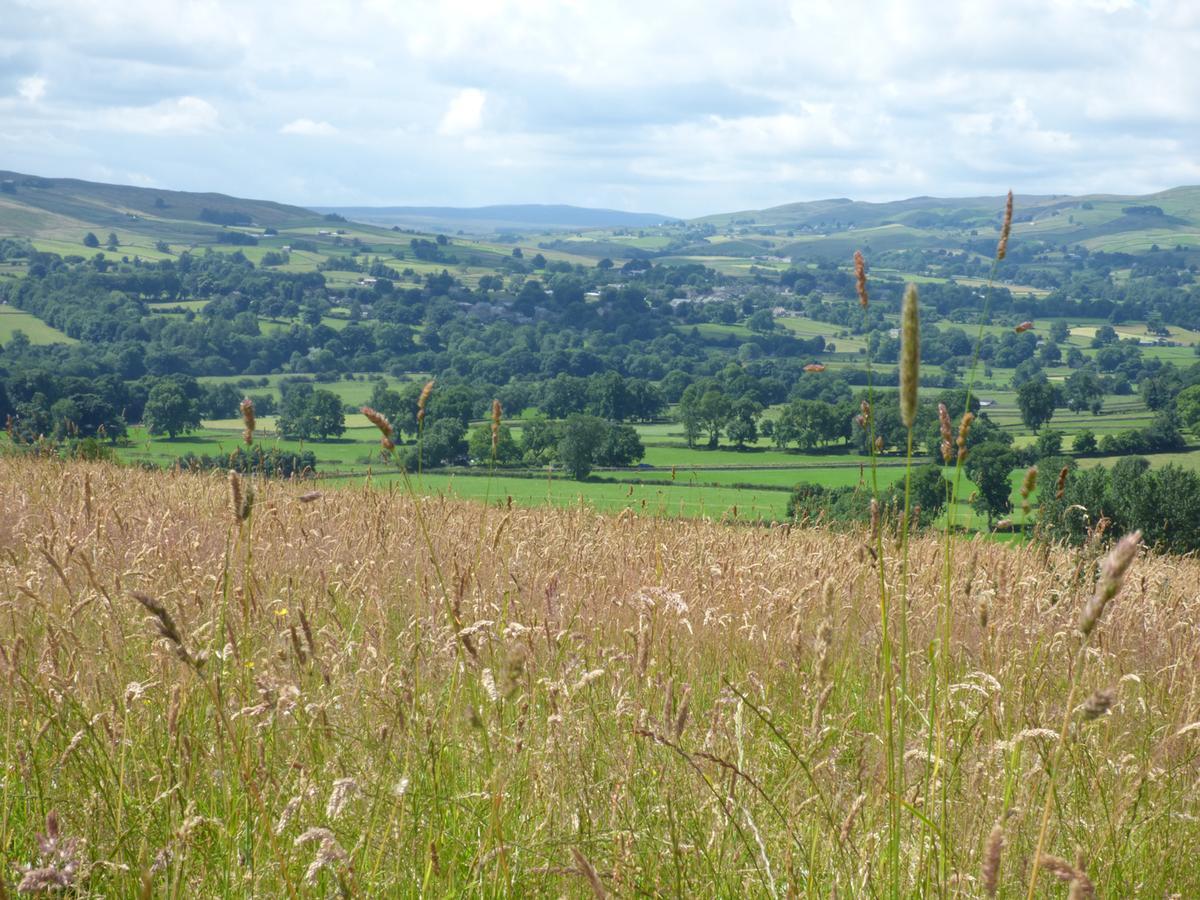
374	693
647	706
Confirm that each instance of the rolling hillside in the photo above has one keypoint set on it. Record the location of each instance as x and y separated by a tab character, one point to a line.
489	219
1097	221
63	209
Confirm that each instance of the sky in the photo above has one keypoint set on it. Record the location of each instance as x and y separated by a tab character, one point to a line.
676	107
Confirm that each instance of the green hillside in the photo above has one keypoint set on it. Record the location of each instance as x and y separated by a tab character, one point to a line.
1098	221
65	209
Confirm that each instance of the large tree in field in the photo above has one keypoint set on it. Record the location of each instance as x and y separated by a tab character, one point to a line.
712	413
1036	399
1082	390
328	418
581	436
989	465
169	410
743	423
308	413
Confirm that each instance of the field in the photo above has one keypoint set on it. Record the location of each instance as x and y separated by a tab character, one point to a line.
38	332
368	694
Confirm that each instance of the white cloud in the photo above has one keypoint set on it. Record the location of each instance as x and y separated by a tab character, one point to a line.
32	89
464	114
182	115
668	106
308	128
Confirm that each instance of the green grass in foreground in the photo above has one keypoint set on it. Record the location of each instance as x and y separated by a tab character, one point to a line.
403	698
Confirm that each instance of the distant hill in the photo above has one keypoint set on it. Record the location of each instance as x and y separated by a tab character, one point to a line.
1099	221
491	219
64	208
58	212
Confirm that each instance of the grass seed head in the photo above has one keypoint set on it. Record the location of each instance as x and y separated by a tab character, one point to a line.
1112	576
380	421
964	429
947	433
860	278
242	496
1002	246
422	401
247	408
992	850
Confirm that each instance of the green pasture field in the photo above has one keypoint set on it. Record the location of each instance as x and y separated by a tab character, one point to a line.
10	269
12	320
742	504
131	244
356	392
703	484
827	475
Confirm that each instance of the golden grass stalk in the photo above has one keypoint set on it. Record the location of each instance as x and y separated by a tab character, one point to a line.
947	434
1112	577
964	429
247	409
165	625
992	850
423	400
1081	887
910	355
242	497
1002	246
588	871
848	822
380	421
860	278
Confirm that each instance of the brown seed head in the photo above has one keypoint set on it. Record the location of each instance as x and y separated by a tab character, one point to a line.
1002	246
947	433
990	872
1029	485
247	408
165	625
380	421
496	411
1062	483
860	278
242	496
1112	576
422	400
848	822
964	429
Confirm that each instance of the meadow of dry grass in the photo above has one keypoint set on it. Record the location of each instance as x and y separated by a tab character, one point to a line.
369	695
